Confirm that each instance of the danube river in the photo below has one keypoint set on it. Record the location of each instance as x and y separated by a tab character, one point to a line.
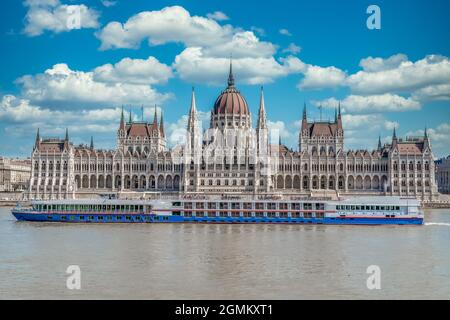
183	261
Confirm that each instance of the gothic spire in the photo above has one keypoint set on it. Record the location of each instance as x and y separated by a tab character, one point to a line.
230	75
261	124
130	120
92	143
192	111
379	143
155	118
122	121
38	139
304	111
67	135
161	126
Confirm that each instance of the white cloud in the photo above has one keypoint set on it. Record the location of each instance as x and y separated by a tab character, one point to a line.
63	86
21	113
218	15
285	32
292	48
316	77
435	92
134	71
53	16
372	103
371	64
193	65
406	77
242	44
171	24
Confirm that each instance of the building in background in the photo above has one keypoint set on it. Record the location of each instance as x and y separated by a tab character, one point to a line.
443	175
14	174
232	156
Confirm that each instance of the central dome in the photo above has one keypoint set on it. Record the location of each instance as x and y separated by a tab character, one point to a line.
231	101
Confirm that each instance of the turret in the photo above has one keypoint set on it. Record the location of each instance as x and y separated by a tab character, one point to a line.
262	122
426	140
92	143
38	140
161	126
394	139
379	143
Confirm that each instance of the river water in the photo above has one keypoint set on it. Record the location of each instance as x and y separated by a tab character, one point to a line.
188	261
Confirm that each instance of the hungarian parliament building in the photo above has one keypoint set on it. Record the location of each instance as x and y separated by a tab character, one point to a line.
231	157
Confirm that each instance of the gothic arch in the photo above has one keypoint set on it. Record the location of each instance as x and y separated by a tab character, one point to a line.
296	182
359	183
376	183
288	182
169	184
351	182
101	181
341	183
108	181
93	182
280	182
367	183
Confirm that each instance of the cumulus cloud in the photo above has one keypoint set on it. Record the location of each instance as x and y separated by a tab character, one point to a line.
171	24
193	65
371	64
316	77
62	86
53	16
218	15
372	103
399	75
134	71
20	113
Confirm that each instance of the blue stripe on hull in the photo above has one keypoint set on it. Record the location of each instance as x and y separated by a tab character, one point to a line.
146	218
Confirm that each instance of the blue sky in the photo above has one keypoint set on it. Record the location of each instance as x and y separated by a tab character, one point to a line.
140	52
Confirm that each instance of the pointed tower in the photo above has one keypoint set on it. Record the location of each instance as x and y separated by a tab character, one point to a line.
262	121
230	75
339	118
426	140
394	139
122	121
379	143
130	120
38	140
155	120
193	141
92	143
66	139
161	126
262	130
303	135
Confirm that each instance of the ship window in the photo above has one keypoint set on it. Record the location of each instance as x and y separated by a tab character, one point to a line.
377	208
358	208
397	208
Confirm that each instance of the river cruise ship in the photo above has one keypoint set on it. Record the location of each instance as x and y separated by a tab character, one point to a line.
228	209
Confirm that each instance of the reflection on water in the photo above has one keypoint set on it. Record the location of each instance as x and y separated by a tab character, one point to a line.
199	261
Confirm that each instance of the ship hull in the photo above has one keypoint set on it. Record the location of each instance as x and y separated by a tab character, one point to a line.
153	218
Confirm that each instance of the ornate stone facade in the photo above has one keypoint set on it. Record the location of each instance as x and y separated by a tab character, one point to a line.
232	157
